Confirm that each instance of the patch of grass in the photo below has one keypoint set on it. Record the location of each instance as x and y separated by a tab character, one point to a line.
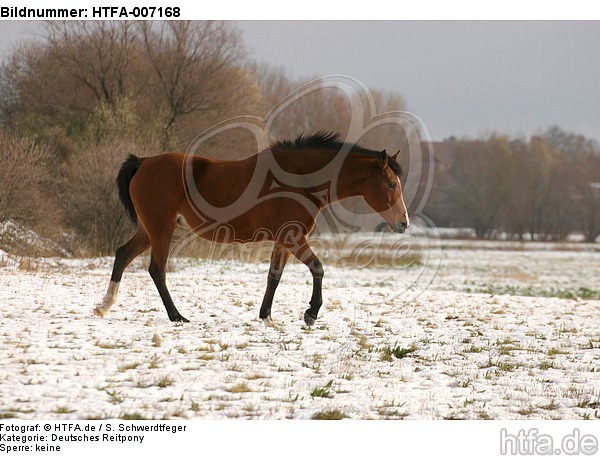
362	343
507	367
565	330
132	365
392	414
583	404
239	388
515	290
454	417
389	410
535	335
133	416
462	383
20	409
195	406
552	405
291	398
255	376
545	365
115	397
286	345
334	414
32	361
109	345
449	373
377	258
250	409
526	411
474	349
321	392
165	381
154	362
582	293
64	410
389	353
500	367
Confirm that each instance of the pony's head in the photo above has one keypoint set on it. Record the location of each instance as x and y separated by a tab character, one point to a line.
383	192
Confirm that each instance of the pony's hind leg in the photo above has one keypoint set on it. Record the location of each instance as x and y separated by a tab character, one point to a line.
124	255
158	265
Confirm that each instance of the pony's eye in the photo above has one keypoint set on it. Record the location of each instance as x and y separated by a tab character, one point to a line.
392	185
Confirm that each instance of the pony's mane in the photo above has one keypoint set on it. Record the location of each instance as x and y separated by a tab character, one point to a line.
330	140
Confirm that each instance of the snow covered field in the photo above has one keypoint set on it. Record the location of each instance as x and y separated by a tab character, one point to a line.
477	331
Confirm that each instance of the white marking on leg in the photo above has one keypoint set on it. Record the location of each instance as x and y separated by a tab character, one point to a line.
109	299
268	322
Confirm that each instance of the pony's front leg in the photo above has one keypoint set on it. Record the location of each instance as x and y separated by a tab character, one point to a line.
279	258
307	256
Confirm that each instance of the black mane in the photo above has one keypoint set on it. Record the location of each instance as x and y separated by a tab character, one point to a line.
330	140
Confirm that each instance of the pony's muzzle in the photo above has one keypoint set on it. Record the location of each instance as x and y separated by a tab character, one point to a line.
399	227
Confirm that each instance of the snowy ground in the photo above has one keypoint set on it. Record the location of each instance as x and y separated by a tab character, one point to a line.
504	331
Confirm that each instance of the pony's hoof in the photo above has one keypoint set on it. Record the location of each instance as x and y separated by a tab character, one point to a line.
268	322
179	319
98	312
308	319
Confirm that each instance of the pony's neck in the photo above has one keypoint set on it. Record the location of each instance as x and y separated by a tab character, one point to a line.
347	182
354	173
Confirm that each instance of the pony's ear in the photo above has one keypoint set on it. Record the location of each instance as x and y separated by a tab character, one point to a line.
382	159
395	156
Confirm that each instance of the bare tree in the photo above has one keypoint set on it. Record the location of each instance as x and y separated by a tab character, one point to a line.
478	191
101	56
195	67
90	200
586	195
576	198
76	76
324	108
538	174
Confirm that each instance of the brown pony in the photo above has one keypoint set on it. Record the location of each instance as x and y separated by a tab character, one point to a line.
274	195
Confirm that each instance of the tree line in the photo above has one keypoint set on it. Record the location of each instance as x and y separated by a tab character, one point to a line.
541	188
80	97
76	100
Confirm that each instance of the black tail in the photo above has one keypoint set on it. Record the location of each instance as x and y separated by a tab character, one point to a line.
126	173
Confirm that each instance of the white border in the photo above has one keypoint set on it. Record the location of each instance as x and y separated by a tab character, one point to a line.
351	10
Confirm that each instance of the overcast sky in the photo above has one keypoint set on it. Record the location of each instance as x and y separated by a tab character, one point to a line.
462	78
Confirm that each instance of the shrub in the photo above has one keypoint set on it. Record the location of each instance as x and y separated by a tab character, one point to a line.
90	198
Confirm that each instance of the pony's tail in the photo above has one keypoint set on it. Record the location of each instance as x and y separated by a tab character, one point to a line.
126	173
